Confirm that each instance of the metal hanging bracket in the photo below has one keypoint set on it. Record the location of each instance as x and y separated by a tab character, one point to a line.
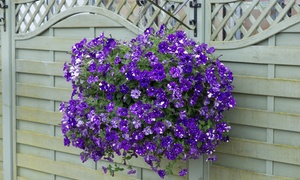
194	4
2	19
143	2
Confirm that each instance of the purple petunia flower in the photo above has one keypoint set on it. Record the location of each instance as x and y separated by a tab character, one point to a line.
132	171
135	93
210	50
174	72
67	141
166	141
148	130
151	91
104	169
92	67
163	47
153	59
187	69
159	127
110	107
117	60
148	31
122	111
124	88
172	86
182	172
161	173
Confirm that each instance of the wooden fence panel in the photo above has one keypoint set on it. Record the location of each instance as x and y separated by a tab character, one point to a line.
40	88
1	133
266	122
260	46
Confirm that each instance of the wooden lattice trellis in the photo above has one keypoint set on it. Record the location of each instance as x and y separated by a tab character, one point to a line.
32	14
234	20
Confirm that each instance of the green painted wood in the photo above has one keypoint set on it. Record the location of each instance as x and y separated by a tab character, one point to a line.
29	174
74	159
261	55
38	67
262	150
248	132
34	55
43	141
266	80
35	151
34	79
288	39
34	103
247	69
264	119
251	41
221	172
86	20
35	127
287	72
80	10
286	137
8	92
267	86
286	170
43	92
251	101
288	105
238	162
48	43
38	115
293	29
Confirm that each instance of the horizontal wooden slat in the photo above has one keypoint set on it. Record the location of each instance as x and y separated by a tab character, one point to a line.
39	67
1	131
1	155
293	29
87	20
64	169
221	172
38	115
222	1
23	1
264	119
55	143
261	150
43	92
48	43
44	141
261	55
22	178
267	86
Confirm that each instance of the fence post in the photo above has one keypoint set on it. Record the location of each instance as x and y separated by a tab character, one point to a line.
8	92
200	24
198	169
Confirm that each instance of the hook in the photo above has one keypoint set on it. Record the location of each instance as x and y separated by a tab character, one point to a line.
167	12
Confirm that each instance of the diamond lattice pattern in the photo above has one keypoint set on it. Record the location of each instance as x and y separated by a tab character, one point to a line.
32	15
242	19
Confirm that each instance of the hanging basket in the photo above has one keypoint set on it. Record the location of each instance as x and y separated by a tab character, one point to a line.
161	95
